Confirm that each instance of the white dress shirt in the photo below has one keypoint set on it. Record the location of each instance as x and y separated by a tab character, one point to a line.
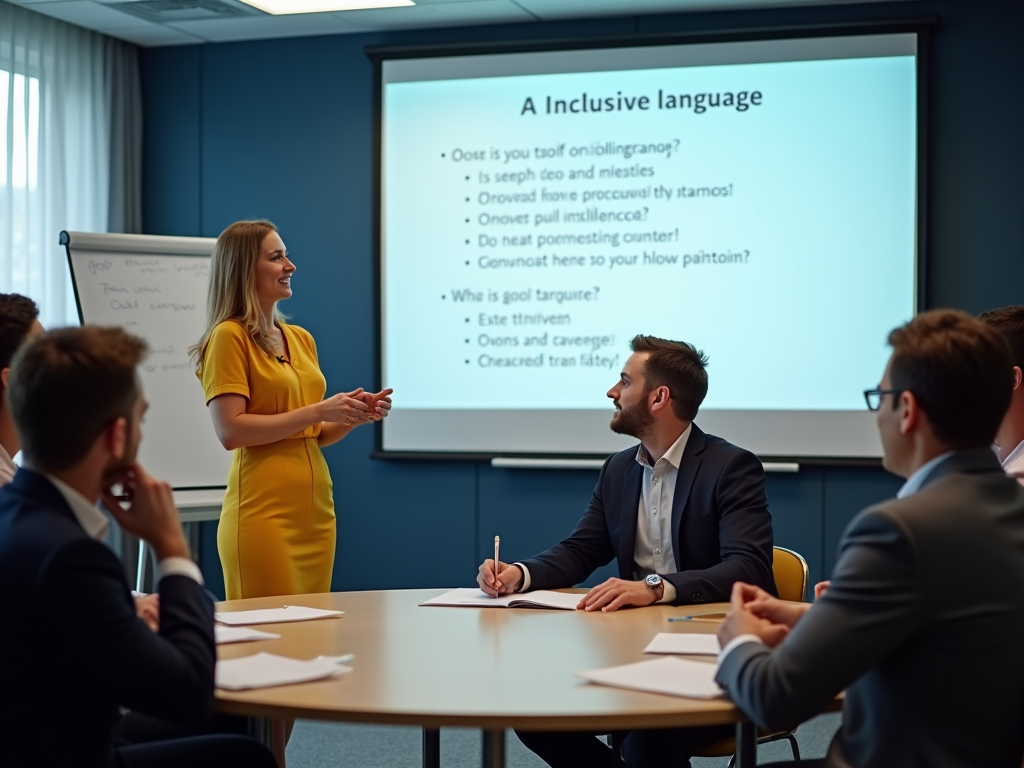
7	466
653	552
912	486
95	524
1015	462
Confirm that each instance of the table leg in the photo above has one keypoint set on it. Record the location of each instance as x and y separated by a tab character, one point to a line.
746	744
431	748
494	749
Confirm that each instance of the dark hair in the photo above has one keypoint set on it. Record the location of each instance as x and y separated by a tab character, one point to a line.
66	386
959	369
1009	321
17	313
678	366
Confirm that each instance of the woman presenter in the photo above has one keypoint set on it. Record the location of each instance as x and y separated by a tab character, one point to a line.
265	393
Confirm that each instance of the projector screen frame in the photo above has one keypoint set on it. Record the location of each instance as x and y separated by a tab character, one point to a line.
920	26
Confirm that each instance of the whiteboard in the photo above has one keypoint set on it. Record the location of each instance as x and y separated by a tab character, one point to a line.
155	287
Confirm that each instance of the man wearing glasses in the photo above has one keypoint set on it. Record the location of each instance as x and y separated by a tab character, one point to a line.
1009	322
923	623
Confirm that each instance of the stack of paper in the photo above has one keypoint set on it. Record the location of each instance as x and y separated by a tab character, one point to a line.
240	634
675	677
274	615
680	642
265	670
477	598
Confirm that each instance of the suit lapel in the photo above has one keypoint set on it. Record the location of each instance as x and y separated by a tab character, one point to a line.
688	466
628	513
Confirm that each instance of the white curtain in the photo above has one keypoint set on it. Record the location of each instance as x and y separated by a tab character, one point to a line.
70	150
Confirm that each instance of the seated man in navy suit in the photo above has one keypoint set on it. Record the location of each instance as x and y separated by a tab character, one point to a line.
76	650
685	515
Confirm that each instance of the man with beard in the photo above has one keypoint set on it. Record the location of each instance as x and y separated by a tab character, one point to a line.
79	652
686	516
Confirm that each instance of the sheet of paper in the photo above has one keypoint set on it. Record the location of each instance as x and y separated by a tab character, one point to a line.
265	670
274	615
472	597
678	642
672	676
240	634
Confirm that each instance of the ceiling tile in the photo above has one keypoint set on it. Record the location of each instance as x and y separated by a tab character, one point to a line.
96	15
84	13
264	27
439	14
562	9
156	34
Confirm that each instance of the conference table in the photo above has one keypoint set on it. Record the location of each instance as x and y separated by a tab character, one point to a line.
485	668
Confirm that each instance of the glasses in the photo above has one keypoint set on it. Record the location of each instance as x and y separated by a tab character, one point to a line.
873	397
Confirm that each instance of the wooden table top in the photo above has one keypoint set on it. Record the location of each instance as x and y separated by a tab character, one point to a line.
487	668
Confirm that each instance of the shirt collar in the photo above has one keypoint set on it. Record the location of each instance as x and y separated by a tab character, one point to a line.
91	519
916	480
674	455
1016	455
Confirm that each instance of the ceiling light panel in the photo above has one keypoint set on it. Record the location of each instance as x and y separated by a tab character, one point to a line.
281	7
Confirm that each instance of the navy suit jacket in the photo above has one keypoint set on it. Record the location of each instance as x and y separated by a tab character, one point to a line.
72	649
721	527
922	626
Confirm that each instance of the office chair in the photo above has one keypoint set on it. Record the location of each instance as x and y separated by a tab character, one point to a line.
790	570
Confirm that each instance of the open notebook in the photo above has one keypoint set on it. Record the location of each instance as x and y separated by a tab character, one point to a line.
475	598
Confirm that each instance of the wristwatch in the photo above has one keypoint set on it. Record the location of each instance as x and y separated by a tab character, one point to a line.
656	584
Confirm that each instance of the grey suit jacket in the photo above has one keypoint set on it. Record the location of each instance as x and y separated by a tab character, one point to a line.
923	627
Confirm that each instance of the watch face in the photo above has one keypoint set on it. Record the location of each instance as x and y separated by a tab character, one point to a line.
653	580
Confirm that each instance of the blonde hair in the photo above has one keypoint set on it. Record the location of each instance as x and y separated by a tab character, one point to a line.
232	293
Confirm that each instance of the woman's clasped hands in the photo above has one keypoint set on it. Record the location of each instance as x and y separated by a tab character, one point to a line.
357	407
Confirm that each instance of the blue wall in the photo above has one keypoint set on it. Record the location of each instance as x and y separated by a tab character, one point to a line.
283	129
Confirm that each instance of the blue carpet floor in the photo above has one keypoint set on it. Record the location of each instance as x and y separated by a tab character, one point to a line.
339	745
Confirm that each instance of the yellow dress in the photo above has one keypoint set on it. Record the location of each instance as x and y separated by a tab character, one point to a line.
277	531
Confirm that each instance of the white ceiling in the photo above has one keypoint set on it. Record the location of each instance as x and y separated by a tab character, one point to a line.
177	22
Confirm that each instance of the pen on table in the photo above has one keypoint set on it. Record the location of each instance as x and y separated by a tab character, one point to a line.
497	544
713	618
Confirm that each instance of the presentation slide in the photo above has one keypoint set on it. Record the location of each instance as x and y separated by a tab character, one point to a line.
538	210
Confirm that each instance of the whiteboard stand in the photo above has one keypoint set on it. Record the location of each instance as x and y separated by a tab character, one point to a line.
194	506
155	287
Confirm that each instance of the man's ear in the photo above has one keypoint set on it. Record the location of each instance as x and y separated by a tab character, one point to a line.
1017	376
910	418
5	372
116	437
661	398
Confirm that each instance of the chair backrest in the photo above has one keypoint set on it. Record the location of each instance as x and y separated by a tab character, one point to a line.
790	574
